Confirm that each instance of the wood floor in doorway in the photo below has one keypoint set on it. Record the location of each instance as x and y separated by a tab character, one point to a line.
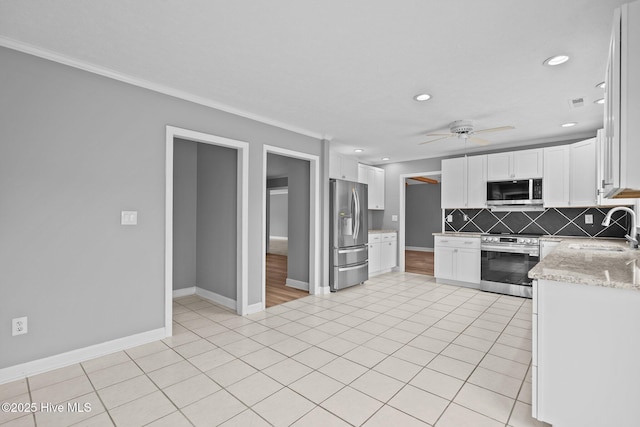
418	262
276	290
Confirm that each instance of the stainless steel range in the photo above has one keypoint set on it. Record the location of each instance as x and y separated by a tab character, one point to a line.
506	261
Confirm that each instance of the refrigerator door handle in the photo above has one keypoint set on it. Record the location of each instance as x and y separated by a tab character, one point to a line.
355	267
349	251
356	199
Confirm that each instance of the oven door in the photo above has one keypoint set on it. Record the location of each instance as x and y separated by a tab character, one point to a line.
505	270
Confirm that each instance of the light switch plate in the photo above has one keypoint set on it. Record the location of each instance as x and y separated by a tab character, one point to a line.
394	218
588	219
129	218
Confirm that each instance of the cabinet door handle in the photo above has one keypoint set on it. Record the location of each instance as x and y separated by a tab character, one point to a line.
444	241
468	243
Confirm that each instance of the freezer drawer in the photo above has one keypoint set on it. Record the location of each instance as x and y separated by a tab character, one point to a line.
348	275
352	255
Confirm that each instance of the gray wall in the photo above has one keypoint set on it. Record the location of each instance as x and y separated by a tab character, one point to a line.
278	215
217	220
76	150
423	214
185	198
299	213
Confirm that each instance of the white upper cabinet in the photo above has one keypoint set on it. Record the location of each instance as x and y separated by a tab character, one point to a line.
621	150
464	182
600	179
476	182
374	178
570	175
555	184
343	167
582	170
515	165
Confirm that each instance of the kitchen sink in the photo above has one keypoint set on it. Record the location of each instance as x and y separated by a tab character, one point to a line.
584	247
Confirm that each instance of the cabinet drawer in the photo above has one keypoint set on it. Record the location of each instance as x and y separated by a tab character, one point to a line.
386	237
374	237
458	242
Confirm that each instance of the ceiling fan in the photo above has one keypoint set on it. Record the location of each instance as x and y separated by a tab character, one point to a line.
464	129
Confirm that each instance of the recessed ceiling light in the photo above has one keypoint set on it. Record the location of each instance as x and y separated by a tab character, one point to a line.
568	125
358	150
385	158
556	60
422	97
601	85
599	101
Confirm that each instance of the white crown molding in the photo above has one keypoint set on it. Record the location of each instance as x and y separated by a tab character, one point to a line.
136	81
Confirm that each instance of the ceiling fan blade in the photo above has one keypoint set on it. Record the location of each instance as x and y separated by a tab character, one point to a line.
494	129
479	141
439	134
434	140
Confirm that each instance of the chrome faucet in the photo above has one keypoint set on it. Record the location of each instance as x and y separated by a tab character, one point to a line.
633	236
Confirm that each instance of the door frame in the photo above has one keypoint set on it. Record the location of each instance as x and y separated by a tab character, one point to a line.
401	219
242	285
314	217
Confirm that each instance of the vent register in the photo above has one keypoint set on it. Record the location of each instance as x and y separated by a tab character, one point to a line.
552	221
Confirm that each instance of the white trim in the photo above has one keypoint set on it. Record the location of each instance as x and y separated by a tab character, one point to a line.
314	220
418	249
297	284
217	298
254	308
146	84
279	237
401	216
242	286
177	293
323	290
278	191
61	360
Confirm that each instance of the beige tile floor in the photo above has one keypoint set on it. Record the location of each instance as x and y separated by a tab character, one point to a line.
397	351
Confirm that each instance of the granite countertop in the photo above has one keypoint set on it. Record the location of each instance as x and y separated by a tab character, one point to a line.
586	263
382	231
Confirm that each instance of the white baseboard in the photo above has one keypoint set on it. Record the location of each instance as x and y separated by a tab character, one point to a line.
39	366
279	237
177	293
323	290
418	248
217	298
254	308
297	284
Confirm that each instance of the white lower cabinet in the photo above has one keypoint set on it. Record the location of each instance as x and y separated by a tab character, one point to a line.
383	252
546	247
457	259
585	351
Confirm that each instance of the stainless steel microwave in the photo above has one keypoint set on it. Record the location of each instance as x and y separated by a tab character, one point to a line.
515	192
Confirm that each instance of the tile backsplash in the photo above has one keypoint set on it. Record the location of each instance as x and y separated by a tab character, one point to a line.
551	221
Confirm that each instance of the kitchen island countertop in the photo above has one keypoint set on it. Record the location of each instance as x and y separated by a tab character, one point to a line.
607	262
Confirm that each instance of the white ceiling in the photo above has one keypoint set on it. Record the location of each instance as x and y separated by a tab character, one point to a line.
347	70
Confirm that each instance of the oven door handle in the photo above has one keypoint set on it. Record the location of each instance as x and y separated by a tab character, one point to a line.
527	251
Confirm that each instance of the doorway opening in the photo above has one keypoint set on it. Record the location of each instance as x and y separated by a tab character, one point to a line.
291	227
420	217
205	216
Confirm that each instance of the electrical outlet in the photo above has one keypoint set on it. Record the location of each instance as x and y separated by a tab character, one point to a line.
394	218
129	218
465	217
19	326
449	218
588	219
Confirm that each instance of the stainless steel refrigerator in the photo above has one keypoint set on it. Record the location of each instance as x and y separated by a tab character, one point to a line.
349	236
